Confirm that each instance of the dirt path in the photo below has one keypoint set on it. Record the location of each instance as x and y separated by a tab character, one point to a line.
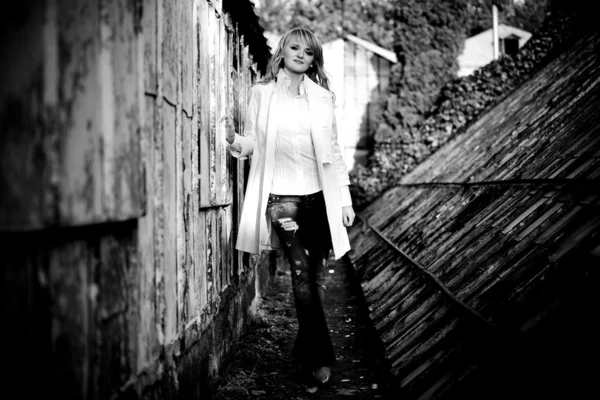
261	365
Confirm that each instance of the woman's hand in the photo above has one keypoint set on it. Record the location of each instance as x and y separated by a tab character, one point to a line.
348	215
229	129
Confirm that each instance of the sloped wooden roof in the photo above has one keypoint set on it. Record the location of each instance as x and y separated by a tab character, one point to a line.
495	218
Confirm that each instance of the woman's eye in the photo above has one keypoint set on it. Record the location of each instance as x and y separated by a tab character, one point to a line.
294	47
310	53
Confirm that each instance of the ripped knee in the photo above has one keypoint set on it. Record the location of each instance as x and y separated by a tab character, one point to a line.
288	224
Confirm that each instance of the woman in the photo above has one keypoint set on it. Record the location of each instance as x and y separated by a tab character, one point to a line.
297	193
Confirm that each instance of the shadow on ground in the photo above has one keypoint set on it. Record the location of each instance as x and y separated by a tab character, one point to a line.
261	365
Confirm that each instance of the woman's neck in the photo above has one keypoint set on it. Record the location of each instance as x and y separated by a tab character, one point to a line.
295	80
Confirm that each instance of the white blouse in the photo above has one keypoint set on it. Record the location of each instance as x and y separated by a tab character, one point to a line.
295	163
295	171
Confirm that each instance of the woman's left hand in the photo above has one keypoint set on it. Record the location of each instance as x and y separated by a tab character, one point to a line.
348	215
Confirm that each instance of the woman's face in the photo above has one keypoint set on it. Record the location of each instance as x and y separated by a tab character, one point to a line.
297	56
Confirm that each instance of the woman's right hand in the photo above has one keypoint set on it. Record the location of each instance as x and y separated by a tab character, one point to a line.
229	129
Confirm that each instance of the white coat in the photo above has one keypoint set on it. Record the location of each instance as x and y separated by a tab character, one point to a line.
255	231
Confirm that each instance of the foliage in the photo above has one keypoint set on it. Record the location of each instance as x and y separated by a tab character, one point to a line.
428	39
525	14
329	19
461	101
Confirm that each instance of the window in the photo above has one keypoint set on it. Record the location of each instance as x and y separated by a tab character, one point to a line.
509	45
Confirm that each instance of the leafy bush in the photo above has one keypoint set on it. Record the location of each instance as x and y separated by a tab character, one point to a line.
400	147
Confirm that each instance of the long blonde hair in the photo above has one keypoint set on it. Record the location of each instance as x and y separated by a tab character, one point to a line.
316	72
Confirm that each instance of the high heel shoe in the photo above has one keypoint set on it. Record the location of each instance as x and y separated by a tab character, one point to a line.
322	375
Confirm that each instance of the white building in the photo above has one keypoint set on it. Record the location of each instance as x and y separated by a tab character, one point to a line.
360	73
479	49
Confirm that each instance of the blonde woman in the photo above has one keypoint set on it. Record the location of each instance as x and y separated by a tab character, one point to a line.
297	197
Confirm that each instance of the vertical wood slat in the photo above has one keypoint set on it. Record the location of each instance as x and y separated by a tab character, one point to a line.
117	312
147	335
69	276
193	246
169	200
170	60
157	176
123	186
22	134
185	267
218	253
204	101
213	48
203	149
187	38
181	154
211	249
86	122
149	26
224	65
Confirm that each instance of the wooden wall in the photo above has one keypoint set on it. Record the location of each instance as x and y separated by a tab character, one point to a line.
119	201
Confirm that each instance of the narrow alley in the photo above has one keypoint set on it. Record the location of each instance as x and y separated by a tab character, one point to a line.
261	365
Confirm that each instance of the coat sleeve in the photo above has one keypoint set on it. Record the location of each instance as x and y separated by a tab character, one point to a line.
243	145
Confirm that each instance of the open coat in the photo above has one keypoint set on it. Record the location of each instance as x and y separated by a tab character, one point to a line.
255	231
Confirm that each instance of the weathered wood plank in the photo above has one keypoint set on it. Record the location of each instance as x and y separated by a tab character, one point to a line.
225	108
147	334
204	103
213	105
185	255
187	38
211	255
121	94
29	136
150	28
117	311
170	51
69	281
169	199
89	127
202	264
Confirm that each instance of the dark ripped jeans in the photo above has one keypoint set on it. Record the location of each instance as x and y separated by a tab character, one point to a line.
301	225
